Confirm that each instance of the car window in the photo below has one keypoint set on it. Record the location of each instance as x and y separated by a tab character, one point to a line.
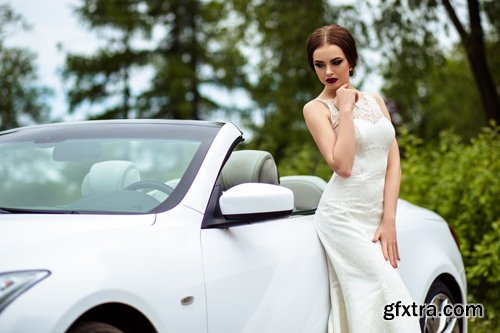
92	174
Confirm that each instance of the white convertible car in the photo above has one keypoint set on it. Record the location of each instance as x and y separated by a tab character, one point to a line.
159	226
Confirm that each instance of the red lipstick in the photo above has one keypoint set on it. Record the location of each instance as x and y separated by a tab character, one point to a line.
331	80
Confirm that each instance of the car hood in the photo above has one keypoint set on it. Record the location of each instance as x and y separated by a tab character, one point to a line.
20	230
408	211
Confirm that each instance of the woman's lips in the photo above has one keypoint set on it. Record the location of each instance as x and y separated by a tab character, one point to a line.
331	80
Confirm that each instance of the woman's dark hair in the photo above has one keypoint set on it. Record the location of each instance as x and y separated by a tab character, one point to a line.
333	34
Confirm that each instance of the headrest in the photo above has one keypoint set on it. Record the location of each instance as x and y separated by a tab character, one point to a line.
307	190
249	166
109	176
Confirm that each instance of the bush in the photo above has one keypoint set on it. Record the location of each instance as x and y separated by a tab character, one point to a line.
304	159
460	181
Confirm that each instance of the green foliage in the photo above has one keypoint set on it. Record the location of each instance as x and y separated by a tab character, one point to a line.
457	179
304	160
10	22
259	46
492	11
280	81
22	99
423	78
184	45
441	96
460	181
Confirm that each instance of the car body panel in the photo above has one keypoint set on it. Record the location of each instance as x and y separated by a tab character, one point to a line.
34	228
201	188
437	251
132	266
254	272
244	276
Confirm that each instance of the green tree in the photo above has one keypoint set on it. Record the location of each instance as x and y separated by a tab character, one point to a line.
441	97
458	179
22	100
430	87
104	77
406	32
279	80
179	39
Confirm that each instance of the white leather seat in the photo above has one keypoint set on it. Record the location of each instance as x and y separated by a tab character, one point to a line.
109	176
307	190
249	166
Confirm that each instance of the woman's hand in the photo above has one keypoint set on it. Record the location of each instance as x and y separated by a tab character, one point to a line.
346	97
386	234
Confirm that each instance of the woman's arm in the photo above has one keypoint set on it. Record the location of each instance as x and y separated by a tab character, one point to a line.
392	183
386	232
337	149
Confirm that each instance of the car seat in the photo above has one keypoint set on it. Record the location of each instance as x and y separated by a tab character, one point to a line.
249	166
307	190
109	176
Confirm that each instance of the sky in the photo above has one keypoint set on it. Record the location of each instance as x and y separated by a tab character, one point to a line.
52	23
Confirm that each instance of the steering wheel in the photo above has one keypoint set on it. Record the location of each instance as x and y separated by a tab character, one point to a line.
151	184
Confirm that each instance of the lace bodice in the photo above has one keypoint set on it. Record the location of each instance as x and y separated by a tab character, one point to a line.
374	135
366	108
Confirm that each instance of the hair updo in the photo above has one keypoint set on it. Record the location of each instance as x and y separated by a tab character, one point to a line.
333	34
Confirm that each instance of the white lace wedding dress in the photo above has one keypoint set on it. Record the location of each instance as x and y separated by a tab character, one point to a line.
362	282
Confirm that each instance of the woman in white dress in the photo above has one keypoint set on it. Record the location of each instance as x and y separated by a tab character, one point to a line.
355	219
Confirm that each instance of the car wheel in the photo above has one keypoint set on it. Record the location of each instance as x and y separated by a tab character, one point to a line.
439	295
93	327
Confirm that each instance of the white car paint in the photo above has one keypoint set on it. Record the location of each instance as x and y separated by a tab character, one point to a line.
263	277
259	280
249	196
435	254
84	273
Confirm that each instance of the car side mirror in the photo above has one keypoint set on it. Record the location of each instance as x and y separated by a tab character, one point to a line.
256	201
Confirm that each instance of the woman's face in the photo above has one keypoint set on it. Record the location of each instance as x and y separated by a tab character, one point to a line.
331	66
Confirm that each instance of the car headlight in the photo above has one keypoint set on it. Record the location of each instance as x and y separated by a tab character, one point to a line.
13	284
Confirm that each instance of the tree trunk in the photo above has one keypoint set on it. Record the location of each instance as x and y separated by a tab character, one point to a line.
193	49
473	43
126	76
485	84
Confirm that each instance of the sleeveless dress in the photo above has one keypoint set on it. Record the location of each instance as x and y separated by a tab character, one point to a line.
362	282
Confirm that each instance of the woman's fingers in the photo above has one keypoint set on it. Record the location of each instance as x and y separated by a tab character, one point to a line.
345	86
392	256
389	247
376	236
385	249
350	91
383	243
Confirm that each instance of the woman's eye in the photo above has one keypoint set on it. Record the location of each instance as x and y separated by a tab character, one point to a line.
336	62
319	65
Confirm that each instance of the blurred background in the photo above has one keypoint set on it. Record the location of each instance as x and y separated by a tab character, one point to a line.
435	62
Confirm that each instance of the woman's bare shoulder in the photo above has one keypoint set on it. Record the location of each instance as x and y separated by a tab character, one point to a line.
315	106
380	102
374	95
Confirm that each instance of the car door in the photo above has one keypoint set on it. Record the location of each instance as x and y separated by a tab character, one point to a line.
266	277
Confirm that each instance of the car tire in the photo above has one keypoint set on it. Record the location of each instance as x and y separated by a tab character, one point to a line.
93	327
439	295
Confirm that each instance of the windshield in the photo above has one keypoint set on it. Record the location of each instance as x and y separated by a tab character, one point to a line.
133	168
